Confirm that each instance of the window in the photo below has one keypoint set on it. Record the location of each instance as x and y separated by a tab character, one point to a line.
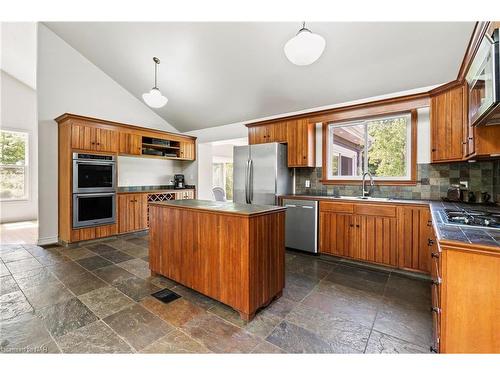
222	176
13	165
381	146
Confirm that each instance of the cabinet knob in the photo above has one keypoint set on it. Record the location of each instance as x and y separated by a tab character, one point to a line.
433	349
436	281
464	143
351	225
430	242
435	255
357	225
471	138
436	310
433	150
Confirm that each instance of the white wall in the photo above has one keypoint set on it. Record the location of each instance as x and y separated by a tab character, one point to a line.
18	108
133	171
204	171
68	82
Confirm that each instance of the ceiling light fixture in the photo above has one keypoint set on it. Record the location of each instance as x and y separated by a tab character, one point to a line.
305	48
154	98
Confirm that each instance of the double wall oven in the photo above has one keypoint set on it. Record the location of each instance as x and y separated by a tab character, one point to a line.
94	189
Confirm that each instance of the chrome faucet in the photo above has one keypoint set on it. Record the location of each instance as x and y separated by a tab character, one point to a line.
366	193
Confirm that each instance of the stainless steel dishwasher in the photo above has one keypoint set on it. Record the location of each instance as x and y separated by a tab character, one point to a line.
301	224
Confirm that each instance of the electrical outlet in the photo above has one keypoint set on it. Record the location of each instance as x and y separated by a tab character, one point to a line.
308	183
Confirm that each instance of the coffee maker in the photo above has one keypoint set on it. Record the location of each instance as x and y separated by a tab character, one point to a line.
179	181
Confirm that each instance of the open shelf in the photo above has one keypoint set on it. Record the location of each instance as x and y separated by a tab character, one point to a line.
160	148
152	145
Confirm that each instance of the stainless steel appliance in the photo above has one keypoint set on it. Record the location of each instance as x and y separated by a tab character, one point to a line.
179	181
480	217
483	79
301	224
454	193
260	173
92	209
93	173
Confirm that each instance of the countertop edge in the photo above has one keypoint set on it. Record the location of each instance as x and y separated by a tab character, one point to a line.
274	209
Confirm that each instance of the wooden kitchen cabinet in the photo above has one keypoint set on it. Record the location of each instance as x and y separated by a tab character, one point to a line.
301	140
336	235
129	144
414	232
132	212
187	150
487	141
184	194
90	138
448	119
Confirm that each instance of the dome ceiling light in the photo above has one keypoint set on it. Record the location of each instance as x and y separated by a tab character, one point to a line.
305	48
154	98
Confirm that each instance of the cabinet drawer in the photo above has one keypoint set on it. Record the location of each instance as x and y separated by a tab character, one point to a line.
375	210
336	207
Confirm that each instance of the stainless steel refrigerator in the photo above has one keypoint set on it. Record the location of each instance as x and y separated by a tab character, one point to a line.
260	173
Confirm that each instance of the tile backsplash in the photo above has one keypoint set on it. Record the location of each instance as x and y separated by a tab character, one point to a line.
433	181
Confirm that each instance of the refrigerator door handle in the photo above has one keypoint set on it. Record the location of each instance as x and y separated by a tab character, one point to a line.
247	180
250	181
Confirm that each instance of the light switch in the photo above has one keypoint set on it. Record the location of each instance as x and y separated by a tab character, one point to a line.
308	183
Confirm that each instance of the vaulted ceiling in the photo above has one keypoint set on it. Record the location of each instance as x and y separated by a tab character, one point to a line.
220	73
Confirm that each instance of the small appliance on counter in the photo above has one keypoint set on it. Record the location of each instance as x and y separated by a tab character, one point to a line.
179	181
455	194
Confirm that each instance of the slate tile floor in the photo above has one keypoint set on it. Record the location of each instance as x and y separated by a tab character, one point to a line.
95	298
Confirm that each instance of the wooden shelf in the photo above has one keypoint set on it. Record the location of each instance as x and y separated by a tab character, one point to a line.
152	145
162	157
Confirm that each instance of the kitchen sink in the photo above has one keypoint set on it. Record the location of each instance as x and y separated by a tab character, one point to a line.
373	199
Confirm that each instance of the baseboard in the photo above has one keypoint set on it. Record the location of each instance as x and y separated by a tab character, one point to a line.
48	241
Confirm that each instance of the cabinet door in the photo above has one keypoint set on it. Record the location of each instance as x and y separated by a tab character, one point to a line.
83	137
336	233
447	117
301	143
129	144
106	140
125	213
277	132
414	231
187	151
376	239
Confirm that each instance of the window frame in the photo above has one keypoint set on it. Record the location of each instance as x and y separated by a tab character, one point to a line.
410	179
26	166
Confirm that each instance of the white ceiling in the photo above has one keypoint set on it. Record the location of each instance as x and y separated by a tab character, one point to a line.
220	73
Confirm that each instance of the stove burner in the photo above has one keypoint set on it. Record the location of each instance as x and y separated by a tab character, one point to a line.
473	218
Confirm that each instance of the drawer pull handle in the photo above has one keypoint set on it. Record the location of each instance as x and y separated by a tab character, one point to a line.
430	242
435	255
436	281
436	310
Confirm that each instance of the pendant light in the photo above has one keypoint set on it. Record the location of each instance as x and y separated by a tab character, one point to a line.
305	48
154	98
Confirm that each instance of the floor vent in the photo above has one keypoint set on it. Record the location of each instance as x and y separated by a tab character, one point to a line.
166	295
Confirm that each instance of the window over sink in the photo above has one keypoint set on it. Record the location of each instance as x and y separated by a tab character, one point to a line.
383	146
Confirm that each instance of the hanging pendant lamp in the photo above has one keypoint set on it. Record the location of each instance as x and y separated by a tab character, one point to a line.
154	98
305	48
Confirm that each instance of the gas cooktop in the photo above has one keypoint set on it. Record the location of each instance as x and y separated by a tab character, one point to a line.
475	218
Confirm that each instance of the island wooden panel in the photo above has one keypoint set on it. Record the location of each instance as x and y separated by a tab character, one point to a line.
235	259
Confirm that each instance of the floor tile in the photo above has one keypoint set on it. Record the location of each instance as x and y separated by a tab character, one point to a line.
36	250
117	256
23	334
139	241
93	263
281	307
136	288
344	334
220	336
23	265
112	274
358	278
14	255
82	283
295	339
175	342
267	348
13	304
66	270
138	326
298	286
347	304
52	258
36	277
105	301
138	267
78	253
197	298
93	338
100	248
47	294
162	281
8	285
405	321
382	343
4	271
177	312
135	251
414	291
66	316
309	266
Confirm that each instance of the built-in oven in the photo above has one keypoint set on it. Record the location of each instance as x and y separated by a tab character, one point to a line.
93	209
483	79
93	173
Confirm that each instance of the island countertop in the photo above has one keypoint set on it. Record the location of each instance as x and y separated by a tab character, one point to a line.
221	207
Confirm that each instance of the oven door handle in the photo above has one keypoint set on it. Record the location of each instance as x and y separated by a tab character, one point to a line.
95	194
95	162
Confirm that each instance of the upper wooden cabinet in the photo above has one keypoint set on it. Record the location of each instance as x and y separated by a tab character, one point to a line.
92	138
187	151
298	134
448	116
129	144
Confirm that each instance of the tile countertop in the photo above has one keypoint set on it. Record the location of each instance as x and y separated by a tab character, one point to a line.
223	207
444	231
151	189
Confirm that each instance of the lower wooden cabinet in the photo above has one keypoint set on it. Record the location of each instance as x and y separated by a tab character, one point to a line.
391	235
91	233
132	212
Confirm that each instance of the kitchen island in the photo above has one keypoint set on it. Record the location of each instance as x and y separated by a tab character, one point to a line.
234	253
